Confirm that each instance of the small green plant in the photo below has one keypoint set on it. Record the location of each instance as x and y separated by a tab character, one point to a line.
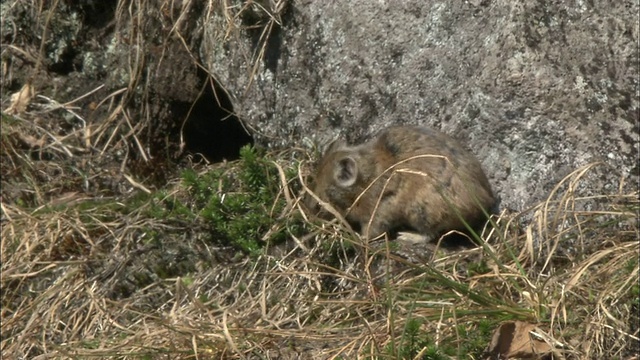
414	344
243	203
473	337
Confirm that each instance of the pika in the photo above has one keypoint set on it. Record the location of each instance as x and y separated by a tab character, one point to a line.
406	178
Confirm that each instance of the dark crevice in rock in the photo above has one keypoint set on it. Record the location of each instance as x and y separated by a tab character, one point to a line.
98	14
211	128
67	62
267	35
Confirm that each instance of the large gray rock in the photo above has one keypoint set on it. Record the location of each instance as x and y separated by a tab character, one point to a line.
535	88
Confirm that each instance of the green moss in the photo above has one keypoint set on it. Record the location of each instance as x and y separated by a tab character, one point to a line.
478	268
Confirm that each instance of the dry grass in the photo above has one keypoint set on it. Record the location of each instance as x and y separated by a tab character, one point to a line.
89	269
573	272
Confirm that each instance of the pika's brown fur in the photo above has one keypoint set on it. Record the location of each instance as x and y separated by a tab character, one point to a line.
408	177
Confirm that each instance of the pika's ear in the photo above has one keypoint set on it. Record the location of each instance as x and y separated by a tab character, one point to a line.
345	172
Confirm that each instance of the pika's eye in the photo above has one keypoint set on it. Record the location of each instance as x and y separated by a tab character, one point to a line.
310	179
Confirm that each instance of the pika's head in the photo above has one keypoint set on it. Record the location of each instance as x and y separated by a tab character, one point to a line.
335	178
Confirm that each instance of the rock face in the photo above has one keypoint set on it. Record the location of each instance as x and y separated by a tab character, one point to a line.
534	88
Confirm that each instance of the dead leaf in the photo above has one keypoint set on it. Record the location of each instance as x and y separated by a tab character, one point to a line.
29	142
514	340
21	99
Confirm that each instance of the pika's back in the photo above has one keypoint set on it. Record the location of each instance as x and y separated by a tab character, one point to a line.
404	141
406	177
435	152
